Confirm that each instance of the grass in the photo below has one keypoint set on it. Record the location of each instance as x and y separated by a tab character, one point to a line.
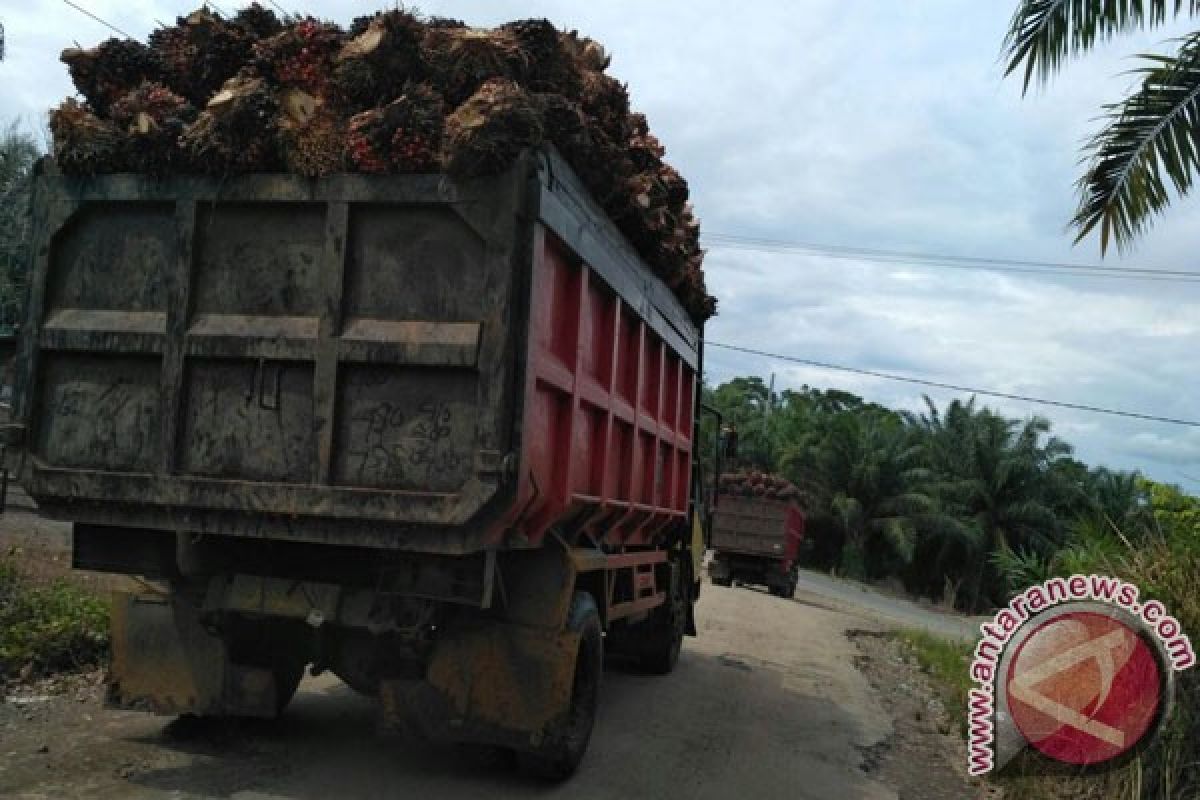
947	662
50	628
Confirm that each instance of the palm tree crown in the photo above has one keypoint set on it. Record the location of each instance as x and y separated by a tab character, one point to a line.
1150	142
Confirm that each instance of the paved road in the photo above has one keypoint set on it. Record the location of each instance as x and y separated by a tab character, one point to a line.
879	606
766	703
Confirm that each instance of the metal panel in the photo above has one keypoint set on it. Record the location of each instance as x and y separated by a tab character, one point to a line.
344	359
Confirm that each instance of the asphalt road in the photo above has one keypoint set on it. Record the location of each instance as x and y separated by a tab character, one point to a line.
765	703
768	702
880	606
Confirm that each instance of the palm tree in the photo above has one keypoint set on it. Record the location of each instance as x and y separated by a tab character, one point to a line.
18	153
865	477
992	476
1150	138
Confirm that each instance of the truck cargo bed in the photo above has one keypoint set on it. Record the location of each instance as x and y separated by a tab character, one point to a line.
390	361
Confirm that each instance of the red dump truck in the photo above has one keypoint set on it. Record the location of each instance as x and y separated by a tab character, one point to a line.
756	540
436	437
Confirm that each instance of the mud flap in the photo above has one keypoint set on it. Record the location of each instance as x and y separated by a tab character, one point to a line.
497	683
165	661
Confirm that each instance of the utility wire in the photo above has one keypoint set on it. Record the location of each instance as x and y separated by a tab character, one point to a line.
105	23
731	241
280	8
957	388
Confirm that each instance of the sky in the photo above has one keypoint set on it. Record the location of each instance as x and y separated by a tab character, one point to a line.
868	124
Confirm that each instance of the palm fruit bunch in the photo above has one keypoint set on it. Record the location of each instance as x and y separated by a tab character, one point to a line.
606	101
311	134
486	133
301	56
403	136
755	483
200	52
152	118
395	93
383	55
548	65
461	60
238	131
85	144
257	22
105	72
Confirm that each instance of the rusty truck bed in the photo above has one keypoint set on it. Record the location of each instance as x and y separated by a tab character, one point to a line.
401	362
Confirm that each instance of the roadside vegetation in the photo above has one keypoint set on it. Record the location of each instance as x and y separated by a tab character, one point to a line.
965	506
48	628
18	153
947	662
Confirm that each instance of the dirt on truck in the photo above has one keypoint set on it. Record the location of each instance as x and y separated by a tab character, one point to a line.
757	527
433	436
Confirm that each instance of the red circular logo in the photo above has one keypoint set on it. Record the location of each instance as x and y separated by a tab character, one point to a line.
1084	688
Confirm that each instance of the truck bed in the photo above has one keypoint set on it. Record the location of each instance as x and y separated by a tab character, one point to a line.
398	362
756	527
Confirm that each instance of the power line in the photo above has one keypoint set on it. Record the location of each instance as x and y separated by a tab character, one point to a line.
957	388
949	261
105	23
945	257
279	8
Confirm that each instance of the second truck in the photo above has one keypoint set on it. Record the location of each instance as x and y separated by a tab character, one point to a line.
757	527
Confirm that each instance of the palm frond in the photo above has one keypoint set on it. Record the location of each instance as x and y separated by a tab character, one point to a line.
899	535
1044	33
1153	137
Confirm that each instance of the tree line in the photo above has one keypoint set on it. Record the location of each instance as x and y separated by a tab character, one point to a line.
961	503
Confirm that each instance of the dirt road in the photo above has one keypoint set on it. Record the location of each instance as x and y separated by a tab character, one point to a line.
767	702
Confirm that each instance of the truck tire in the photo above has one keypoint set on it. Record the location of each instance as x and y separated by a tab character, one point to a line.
563	746
666	626
287	681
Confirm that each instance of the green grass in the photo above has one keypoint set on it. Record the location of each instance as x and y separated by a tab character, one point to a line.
52	628
947	662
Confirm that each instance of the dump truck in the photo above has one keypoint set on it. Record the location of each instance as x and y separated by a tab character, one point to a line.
435	436
755	540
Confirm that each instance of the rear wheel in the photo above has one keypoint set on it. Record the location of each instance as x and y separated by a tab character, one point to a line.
563	747
664	639
287	681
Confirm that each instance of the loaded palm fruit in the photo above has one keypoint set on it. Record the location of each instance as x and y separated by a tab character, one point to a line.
109	70
238	131
755	483
257	22
382	57
461	60
300	56
200	52
152	117
84	144
485	134
403	136
606	100
398	93
311	135
549	66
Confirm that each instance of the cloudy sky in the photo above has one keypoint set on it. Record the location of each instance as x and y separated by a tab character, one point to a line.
856	123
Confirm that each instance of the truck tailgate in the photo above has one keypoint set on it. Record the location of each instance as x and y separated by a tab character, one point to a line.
752	526
340	347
